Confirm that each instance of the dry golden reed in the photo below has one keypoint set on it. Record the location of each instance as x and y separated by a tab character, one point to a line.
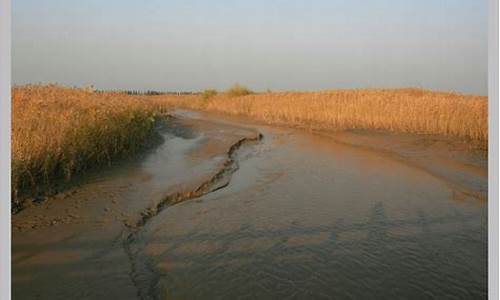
59	131
400	110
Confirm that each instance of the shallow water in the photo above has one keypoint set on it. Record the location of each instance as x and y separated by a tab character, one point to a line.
303	217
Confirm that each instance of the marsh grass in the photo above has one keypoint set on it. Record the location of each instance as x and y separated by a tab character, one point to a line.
409	110
59	132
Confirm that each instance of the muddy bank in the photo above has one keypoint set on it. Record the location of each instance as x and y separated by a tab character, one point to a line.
458	163
73	245
32	186
295	215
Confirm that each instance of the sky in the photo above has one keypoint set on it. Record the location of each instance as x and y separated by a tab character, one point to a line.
190	45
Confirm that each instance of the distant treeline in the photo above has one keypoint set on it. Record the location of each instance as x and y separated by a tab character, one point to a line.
156	93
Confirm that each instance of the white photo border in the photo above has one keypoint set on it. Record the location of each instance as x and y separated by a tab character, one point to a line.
5	154
5	131
493	162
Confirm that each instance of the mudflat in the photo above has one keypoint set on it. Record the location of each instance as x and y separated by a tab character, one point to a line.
226	208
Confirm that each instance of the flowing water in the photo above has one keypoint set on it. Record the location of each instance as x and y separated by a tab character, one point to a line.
293	216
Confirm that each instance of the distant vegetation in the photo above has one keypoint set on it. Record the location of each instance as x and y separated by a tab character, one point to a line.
238	90
400	110
145	93
208	93
155	93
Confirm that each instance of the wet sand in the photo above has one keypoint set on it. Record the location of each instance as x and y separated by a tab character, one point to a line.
346	215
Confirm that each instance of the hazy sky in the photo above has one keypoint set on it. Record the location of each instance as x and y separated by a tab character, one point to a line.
280	45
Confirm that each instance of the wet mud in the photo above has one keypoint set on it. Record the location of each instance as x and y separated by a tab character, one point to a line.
229	209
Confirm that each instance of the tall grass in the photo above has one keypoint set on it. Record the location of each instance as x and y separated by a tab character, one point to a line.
400	110
58	132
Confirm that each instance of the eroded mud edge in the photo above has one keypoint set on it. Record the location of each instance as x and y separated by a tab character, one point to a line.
218	181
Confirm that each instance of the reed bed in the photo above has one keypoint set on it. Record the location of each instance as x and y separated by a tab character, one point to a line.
399	110
58	132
